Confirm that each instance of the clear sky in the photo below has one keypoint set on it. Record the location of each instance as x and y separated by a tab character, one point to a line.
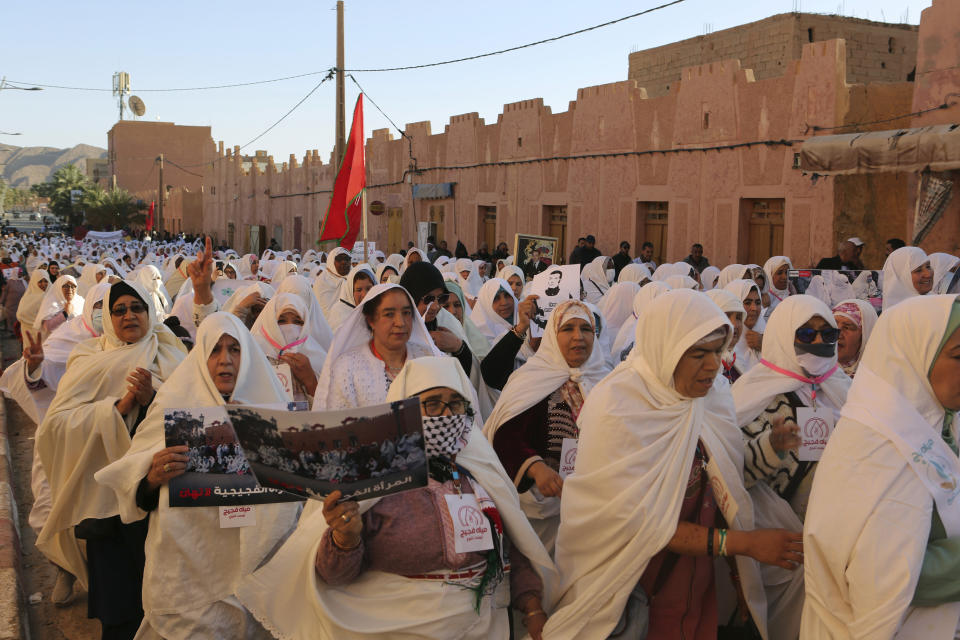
185	43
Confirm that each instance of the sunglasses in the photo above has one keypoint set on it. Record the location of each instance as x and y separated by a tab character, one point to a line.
806	335
441	299
121	309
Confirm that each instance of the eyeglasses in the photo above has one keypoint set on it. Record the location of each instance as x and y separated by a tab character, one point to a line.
121	309
442	299
458	406
806	335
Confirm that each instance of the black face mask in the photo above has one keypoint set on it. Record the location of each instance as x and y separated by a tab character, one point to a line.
821	349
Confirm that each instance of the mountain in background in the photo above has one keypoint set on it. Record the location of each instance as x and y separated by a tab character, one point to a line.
26	166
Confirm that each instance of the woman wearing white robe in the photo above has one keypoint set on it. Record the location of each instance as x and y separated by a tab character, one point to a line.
193	565
617	305
283	270
775	268
944	266
327	285
635	272
32	298
151	280
639	436
748	347
882	530
290	343
60	303
90	275
472	282
290	599
906	273
315	321
596	278
358	372
543	379
624	340
100	400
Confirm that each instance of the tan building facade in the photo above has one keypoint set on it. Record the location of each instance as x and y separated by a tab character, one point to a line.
711	160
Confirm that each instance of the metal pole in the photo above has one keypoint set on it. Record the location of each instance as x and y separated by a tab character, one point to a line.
341	100
363	204
160	199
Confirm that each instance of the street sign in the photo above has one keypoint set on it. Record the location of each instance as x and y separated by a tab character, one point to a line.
75	195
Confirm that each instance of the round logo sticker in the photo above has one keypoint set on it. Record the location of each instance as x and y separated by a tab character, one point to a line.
816	429
469	516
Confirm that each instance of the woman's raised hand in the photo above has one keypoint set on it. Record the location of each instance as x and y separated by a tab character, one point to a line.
344	519
201	274
167	464
33	352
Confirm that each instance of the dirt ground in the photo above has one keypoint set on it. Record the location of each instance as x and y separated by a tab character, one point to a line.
47	622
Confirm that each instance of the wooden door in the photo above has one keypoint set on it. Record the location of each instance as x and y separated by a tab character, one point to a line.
556	224
766	229
394	229
231	235
297	232
436	216
488	227
654	218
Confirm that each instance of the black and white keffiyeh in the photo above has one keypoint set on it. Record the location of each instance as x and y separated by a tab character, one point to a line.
445	435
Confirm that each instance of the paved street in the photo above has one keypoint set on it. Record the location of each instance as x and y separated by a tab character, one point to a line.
47	622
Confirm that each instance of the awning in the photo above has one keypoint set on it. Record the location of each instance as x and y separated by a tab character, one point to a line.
439	190
936	148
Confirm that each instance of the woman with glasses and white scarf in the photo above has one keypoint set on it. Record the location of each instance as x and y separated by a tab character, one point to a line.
381	569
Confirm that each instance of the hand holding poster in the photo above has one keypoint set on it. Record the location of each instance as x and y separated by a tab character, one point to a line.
555	285
364	453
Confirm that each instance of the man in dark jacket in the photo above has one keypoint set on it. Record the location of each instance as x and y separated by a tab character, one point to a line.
622	258
534	266
589	252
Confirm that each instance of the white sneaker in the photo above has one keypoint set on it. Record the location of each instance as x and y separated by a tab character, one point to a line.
63	588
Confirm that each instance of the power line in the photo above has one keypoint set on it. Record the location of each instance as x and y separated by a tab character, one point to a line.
218	86
944	105
522	46
587	156
389	119
182	168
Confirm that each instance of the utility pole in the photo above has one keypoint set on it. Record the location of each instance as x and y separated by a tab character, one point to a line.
160	199
341	100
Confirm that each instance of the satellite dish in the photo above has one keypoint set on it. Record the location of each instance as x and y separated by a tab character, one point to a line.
137	106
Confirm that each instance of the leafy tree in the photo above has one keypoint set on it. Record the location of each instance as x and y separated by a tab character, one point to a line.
110	209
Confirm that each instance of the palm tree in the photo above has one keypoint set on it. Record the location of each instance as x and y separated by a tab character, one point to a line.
110	209
66	179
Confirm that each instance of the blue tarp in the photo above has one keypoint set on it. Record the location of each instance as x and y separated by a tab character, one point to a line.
440	190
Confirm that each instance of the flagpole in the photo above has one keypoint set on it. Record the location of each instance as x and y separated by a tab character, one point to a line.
363	206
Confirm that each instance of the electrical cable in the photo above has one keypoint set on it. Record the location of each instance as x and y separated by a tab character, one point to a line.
522	46
943	105
218	86
185	170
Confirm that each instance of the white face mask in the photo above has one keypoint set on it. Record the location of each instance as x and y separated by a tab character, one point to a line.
290	333
816	366
97	319
610	275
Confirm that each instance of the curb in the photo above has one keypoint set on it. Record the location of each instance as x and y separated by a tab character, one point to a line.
13	611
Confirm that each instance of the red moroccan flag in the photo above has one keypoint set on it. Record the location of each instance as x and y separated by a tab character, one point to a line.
342	222
150	217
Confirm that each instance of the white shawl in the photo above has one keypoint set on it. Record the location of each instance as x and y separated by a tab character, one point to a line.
315	319
641	301
53	302
897	278
871	506
594	279
637	442
472	283
617	305
488	321
327	285
266	331
747	358
30	302
340	310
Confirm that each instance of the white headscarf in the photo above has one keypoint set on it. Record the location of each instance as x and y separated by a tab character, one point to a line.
864	317
547	370
617	305
637	442
327	285
54	302
264	289
747	358
897	274
488	321
176	577
354	333
61	342
315	320
472	283
151	280
634	272
942	263
266	330
594	279
288	599
733	272
283	270
345	304
754	391
728	303
382	268
88	277
30	302
82	431
641	301
769	268
677	281
406	260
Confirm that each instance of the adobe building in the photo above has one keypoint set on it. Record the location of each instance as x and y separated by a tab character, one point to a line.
133	149
713	159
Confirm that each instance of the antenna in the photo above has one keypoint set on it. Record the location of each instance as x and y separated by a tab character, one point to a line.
136	105
121	87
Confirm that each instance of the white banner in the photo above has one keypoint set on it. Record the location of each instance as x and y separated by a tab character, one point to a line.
105	235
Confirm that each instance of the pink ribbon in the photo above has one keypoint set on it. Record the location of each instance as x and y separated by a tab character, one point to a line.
796	376
88	328
277	346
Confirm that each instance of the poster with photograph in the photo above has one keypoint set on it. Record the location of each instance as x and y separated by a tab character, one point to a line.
555	285
364	453
834	286
524	246
217	474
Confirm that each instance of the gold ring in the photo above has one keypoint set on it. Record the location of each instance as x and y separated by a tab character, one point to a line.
166	467
345	517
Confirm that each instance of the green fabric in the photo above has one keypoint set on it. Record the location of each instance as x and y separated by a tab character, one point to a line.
938	583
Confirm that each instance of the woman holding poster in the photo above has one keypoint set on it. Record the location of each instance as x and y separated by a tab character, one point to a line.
533	427
193	564
883	526
389	568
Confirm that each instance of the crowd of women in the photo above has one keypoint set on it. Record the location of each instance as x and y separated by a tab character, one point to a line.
642	470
